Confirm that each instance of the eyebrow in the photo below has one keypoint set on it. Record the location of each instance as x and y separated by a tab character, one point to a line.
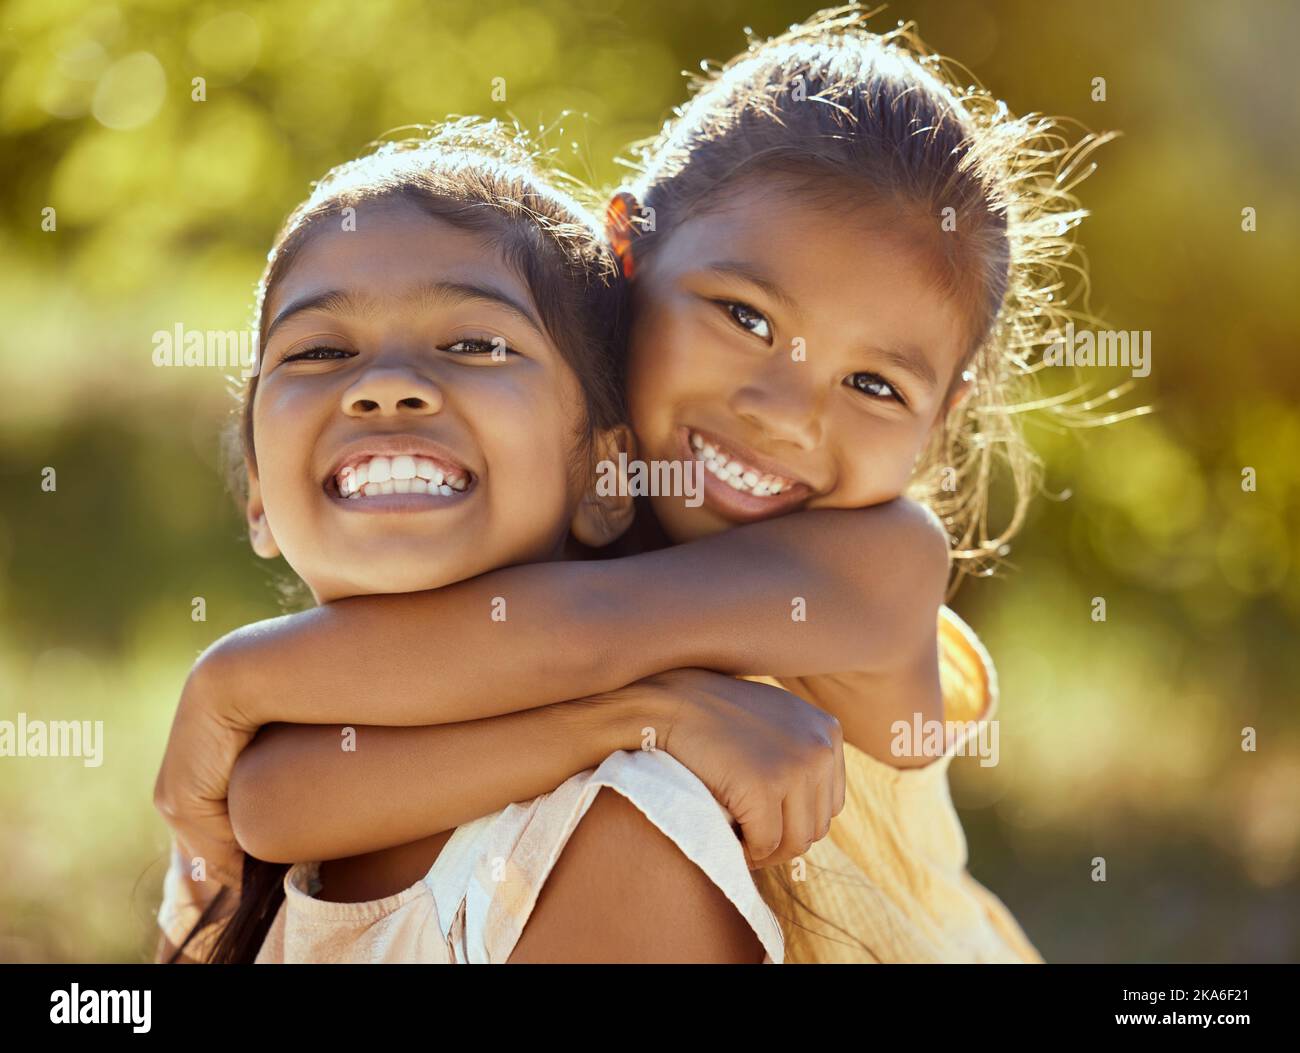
427	294
755	277
911	361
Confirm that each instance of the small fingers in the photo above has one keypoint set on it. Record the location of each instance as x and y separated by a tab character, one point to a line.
840	778
761	832
799	815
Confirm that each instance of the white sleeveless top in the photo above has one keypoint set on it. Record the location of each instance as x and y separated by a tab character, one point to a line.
473	904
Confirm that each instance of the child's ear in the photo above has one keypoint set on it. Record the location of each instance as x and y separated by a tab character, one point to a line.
962	391
259	530
959	394
621	228
606	509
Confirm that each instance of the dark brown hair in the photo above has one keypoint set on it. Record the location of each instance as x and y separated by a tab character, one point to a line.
840	114
478	178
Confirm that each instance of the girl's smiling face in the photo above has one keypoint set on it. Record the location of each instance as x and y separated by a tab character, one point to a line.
394	450
811	347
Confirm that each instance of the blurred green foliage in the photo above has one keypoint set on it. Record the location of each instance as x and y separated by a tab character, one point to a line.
1121	739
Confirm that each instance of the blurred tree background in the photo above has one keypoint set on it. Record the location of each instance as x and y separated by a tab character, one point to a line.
1120	739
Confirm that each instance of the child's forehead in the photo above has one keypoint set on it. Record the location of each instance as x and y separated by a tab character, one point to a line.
802	233
751	208
399	232
392	253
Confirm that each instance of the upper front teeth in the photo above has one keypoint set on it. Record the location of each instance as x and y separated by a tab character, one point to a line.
737	474
403	474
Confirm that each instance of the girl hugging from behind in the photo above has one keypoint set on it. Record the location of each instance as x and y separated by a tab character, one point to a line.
839	261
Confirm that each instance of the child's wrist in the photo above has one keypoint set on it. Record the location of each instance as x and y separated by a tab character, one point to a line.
631	718
640	716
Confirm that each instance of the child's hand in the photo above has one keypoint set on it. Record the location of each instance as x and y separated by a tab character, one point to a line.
190	791
771	759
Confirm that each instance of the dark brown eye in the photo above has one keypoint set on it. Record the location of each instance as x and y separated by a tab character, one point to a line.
318	354
475	347
874	385
748	319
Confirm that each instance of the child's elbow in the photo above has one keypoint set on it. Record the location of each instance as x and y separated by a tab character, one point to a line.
903	583
257	806
928	547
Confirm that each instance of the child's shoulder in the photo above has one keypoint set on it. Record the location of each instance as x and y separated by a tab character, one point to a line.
520	846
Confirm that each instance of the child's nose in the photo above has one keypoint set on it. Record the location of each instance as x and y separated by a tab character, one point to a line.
391	391
781	403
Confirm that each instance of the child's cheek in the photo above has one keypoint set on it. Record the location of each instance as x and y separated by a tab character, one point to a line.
669	357
878	463
286	500
285	425
527	431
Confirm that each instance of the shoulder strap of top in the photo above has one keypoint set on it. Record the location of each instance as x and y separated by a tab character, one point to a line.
967	673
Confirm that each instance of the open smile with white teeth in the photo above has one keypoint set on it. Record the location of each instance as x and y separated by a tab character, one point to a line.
726	466
369	477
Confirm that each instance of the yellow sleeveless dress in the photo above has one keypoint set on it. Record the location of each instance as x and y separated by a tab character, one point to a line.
891	874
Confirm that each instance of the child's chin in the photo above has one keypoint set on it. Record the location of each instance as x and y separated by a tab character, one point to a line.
683	524
416	574
417	582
